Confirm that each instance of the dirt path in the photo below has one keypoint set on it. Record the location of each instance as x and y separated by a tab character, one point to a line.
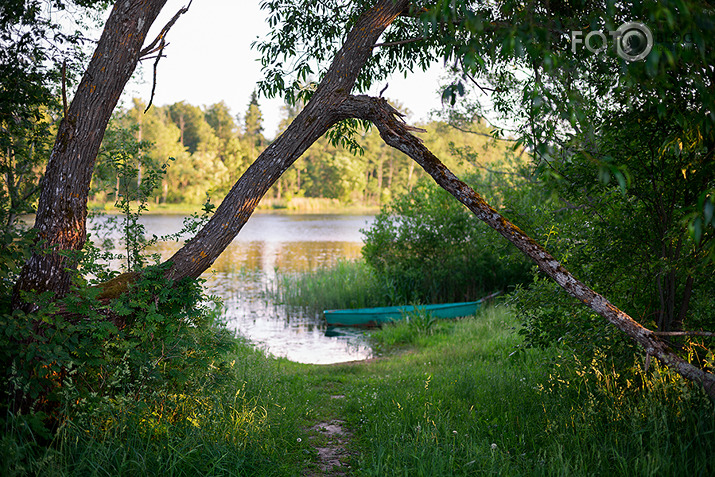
329	440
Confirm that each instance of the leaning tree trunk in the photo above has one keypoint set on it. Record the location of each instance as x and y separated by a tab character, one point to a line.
397	134
62	207
321	112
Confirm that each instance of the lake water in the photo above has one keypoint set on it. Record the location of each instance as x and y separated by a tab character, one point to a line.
289	244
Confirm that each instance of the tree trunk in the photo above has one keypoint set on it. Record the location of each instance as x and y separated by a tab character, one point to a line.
321	112
62	207
397	134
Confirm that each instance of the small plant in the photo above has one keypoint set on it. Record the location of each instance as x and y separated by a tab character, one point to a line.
137	178
421	320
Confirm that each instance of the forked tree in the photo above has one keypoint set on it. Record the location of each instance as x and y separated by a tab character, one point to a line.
61	214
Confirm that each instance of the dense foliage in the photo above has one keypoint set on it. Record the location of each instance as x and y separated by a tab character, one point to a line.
638	246
430	248
83	367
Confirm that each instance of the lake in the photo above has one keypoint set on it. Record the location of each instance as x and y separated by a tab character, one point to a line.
290	244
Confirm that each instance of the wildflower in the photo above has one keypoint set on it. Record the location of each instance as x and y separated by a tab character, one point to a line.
494	447
454	432
301	440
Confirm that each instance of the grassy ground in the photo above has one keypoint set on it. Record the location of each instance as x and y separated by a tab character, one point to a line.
460	399
447	398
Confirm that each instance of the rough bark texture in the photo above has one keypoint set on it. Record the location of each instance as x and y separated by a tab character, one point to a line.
397	134
62	208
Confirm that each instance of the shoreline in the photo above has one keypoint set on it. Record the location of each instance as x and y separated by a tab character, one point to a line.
186	209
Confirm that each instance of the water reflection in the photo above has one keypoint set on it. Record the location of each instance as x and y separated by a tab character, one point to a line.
288	243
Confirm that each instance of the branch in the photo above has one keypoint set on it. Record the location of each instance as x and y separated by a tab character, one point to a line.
469	131
401	42
396	133
152	47
153	83
484	89
159	44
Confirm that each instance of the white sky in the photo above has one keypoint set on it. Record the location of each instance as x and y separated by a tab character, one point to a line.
210	59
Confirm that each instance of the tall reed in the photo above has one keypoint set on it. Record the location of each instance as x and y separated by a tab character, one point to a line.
347	284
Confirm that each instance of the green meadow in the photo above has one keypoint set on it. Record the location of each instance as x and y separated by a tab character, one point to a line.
452	398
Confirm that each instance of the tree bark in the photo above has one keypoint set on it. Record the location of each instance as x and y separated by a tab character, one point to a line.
62	207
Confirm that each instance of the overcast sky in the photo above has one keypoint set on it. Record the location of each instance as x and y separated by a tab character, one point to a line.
210	59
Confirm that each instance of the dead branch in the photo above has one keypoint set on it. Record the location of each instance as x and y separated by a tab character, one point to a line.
158	45
152	47
153	83
401	42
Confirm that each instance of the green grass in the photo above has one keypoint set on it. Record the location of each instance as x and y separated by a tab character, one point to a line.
231	426
347	284
464	400
455	398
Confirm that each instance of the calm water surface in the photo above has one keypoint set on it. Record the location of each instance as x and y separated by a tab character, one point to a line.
285	243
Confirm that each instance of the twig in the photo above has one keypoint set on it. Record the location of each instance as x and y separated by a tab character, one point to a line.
159	44
469	131
471	78
401	42
153	57
153	84
152	47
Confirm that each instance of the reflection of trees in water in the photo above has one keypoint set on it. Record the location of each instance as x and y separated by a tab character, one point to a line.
286	256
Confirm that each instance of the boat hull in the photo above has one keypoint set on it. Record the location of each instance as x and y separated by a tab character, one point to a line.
371	317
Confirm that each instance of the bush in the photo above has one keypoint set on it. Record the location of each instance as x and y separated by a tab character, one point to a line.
76	355
430	248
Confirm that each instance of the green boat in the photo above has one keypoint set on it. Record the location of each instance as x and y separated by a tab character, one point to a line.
370	317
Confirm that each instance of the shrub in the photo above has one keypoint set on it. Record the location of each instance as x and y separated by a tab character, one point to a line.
431	248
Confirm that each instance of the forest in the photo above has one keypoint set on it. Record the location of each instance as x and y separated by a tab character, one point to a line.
207	149
587	199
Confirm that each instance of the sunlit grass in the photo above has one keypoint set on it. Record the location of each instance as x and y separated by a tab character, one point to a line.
465	399
459	398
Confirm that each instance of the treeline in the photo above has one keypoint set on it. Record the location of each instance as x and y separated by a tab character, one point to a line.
204	150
